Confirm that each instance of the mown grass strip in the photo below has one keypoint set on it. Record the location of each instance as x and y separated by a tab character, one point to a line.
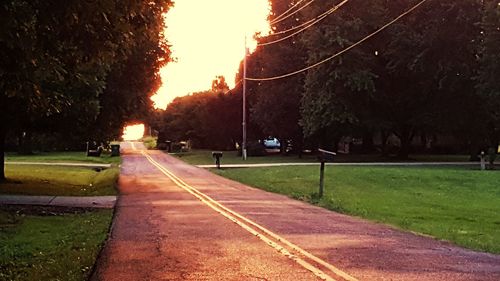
453	203
51	245
204	157
66	156
59	181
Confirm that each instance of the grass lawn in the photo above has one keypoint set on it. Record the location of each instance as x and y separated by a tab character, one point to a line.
67	156
204	157
50	245
58	180
458	204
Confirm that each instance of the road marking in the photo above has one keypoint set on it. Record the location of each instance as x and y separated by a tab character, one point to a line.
133	145
240	220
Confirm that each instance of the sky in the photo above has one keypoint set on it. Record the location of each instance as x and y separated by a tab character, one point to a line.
208	39
133	132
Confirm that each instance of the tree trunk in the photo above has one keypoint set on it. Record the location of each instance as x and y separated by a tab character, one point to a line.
300	147
405	137
2	153
367	142
474	150
384	135
25	146
282	146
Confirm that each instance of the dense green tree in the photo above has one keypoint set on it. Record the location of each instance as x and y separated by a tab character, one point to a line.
488	78
208	119
402	80
337	93
274	104
57	56
429	84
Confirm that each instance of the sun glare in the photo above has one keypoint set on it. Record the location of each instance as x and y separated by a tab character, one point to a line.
208	39
133	132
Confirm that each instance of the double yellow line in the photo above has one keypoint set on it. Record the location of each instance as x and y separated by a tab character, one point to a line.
265	235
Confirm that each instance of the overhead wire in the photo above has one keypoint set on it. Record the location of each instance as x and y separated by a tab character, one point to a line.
287	11
329	12
344	50
275	21
300	25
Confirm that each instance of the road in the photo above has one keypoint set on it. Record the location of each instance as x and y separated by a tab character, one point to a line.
179	222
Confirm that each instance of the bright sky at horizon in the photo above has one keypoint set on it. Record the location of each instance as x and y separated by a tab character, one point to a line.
133	132
207	39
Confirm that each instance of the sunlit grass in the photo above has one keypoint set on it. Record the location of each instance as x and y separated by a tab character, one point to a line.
461	205
204	157
59	180
51	247
67	156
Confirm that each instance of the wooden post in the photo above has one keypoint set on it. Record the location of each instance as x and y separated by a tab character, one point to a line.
321	179
483	161
217	155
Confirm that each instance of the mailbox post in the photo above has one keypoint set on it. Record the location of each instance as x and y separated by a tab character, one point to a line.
325	156
217	155
483	160
115	150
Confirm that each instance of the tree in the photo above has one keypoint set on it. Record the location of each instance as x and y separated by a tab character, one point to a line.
336	94
488	83
275	104
219	85
208	119
398	81
56	57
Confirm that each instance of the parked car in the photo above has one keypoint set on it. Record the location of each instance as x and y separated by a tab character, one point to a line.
272	143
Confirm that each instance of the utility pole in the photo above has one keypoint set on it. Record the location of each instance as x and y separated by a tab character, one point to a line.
244	123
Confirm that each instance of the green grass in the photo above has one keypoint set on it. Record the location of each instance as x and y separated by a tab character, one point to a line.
204	157
59	181
461	205
67	156
55	247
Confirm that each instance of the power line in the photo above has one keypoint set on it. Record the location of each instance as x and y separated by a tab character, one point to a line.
300	25
343	51
329	12
287	11
275	21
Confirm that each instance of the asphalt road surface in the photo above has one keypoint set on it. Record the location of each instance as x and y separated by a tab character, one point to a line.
178	222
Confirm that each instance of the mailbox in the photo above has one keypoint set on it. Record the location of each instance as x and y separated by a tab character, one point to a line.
115	150
325	155
217	155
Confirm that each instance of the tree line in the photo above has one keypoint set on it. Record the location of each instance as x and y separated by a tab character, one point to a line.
433	73
77	70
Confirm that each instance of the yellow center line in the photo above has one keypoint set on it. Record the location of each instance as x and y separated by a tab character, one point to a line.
238	219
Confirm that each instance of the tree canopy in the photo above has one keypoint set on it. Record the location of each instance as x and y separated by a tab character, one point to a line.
66	63
431	73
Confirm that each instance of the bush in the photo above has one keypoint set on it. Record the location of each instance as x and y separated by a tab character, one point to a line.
149	142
